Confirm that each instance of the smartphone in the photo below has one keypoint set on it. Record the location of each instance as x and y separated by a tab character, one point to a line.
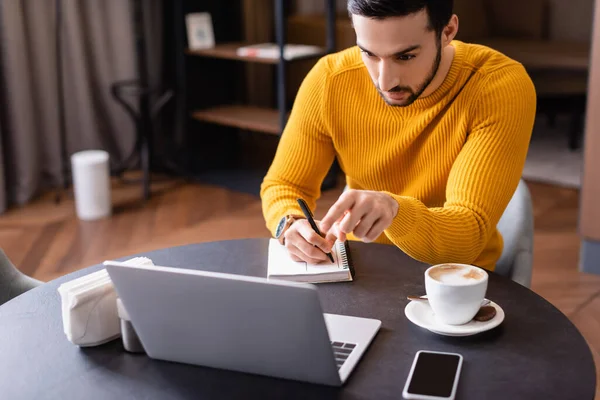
433	376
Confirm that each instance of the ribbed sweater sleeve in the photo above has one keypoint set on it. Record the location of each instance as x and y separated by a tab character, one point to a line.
304	154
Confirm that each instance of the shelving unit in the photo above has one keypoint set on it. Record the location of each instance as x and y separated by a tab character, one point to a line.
228	51
271	121
245	117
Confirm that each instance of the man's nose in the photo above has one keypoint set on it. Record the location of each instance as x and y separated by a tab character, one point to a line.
388	77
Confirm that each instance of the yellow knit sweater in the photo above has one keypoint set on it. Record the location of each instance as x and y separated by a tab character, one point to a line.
452	159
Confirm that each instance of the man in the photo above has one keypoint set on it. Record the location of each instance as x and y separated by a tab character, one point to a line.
431	133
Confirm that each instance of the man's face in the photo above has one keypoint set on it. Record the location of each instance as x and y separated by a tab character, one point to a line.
401	54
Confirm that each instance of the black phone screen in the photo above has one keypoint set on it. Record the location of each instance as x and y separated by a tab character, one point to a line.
434	374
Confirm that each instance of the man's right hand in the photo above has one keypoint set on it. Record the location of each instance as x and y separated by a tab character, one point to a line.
300	241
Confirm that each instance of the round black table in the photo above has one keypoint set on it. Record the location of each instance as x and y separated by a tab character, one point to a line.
536	353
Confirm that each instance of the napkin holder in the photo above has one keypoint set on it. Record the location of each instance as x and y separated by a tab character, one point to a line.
90	313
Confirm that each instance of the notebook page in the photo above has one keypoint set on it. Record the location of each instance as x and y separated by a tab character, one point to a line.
280	263
327	267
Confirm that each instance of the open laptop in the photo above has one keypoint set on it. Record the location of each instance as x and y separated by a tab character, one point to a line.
240	323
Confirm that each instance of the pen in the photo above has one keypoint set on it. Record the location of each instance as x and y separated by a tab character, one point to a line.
311	220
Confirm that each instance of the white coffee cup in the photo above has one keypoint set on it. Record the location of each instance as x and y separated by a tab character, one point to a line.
455	291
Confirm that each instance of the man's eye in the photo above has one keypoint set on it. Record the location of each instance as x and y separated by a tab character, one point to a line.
405	57
368	54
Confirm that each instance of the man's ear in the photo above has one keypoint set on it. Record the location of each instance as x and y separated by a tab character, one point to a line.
450	31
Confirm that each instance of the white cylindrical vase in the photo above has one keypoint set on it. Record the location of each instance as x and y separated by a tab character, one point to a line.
91	184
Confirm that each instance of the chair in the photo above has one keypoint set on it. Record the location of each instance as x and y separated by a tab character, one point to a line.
12	281
516	228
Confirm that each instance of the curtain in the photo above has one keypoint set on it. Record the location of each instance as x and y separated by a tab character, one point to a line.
98	48
3	189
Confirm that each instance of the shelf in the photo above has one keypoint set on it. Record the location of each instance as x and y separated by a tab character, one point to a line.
228	51
544	54
245	117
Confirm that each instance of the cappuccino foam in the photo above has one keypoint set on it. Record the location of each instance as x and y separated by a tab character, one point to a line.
456	274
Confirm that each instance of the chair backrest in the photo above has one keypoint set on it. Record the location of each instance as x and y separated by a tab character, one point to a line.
12	281
516	228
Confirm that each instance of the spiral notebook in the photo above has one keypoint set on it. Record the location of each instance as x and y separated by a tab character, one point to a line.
281	266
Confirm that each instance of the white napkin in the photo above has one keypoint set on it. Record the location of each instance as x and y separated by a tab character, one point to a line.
89	307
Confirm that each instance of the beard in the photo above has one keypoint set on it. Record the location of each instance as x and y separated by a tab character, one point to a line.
415	94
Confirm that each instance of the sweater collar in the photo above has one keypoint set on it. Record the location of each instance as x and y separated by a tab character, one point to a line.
448	83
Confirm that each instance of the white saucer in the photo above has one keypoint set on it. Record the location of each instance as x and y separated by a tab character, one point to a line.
421	314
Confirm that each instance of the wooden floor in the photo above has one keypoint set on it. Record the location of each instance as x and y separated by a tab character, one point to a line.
46	240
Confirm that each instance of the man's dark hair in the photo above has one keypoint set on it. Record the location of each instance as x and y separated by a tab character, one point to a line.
439	11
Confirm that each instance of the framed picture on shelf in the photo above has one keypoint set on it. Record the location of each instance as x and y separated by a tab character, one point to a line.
200	31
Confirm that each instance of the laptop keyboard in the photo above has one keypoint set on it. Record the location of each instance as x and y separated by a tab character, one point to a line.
342	351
